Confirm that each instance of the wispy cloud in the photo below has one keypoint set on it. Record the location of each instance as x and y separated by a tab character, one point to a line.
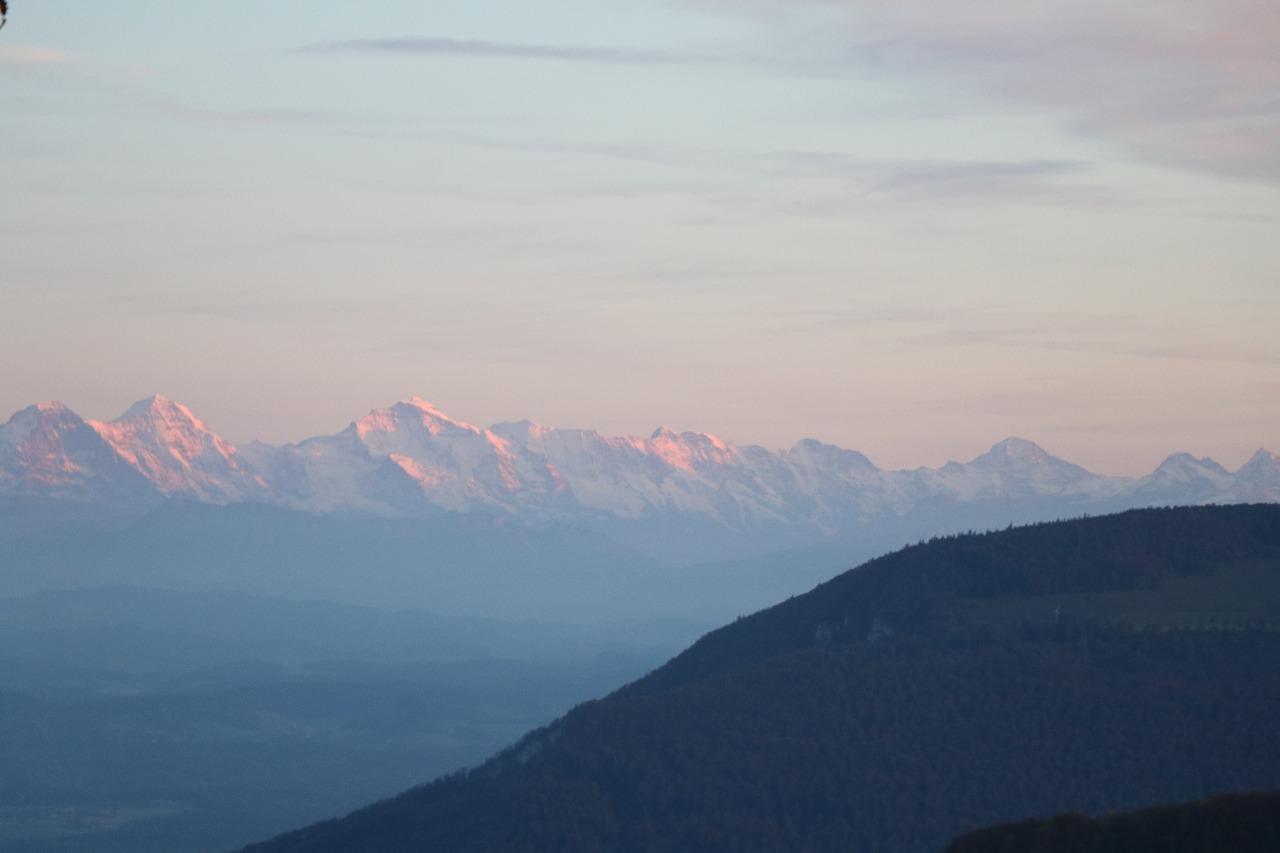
327	121
957	327
437	324
264	310
84	95
428	46
1188	83
20	56
827	182
856	181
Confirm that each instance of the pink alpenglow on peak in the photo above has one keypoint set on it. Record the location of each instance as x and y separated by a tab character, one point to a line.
428	478
689	450
413	413
160	423
23	424
174	450
48	451
411	459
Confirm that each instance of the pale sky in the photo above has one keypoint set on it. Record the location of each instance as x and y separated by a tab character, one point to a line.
910	228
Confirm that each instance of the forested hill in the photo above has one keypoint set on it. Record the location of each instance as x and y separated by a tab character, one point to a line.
1090	665
1230	823
1144	568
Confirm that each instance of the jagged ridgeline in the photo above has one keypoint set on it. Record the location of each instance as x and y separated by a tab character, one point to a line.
1092	665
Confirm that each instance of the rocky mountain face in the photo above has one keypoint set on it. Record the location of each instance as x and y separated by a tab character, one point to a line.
412	460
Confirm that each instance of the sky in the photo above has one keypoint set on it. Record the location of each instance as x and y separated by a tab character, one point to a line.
909	228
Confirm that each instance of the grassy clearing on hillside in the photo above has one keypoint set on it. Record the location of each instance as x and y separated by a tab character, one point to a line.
1237	595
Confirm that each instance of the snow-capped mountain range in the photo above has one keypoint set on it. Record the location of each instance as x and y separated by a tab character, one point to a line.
412	460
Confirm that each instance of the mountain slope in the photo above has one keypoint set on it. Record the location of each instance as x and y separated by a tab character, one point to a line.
958	683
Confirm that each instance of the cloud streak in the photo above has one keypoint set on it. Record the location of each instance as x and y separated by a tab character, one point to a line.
858	181
828	182
1192	84
477	48
917	327
24	56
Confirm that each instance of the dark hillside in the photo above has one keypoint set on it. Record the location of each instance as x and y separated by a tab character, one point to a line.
951	685
952	580
1231	823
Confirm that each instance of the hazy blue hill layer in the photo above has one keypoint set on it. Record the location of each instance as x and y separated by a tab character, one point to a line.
1090	665
152	721
1230	823
472	564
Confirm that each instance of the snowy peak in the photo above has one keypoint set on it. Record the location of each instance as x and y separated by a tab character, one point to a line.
456	466
1262	462
524	432
49	412
411	459
42	416
1020	453
412	415
48	451
1182	464
1017	469
816	453
157	407
430	411
39	432
165	426
174	450
1182	478
690	451
1259	478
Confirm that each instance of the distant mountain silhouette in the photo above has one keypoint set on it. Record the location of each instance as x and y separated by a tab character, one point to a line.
1092	665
